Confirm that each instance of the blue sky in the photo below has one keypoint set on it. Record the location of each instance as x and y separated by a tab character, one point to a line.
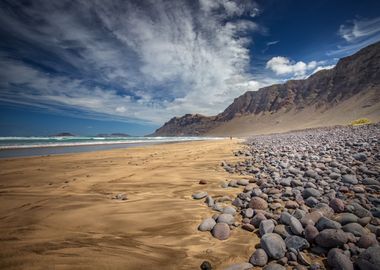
91	67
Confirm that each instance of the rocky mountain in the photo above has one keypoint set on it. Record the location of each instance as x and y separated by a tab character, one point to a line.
337	96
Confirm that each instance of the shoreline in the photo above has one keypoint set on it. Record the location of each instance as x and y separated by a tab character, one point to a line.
58	210
49	150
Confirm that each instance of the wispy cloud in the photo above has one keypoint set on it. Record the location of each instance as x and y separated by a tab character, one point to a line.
140	61
360	29
357	34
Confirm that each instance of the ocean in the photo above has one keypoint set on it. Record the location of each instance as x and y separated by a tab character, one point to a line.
40	146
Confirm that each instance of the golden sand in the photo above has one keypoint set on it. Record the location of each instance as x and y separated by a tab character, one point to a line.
57	212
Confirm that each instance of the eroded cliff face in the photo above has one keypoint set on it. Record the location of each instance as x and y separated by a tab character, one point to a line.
325	89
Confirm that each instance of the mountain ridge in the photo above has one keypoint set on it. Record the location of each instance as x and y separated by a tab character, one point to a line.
322	91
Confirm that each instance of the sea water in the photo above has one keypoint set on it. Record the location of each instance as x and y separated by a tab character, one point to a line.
38	146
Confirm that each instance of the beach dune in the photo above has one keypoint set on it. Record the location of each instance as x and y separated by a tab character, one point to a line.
58	212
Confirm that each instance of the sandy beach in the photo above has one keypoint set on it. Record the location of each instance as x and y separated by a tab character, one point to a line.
57	212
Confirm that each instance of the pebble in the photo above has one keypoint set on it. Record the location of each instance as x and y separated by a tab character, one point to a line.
330	238
337	205
325	223
369	259
367	240
207	224
259	258
273	245
296	242
258	203
354	228
338	260
199	195
295	226
310	233
221	231
349	179
226	218
266	226
229	210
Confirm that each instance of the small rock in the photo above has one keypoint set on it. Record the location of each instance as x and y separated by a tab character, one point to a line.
206	265
369	259
248	227
202	182
256	220
310	233
330	238
243	182
337	260
199	195
354	228
325	223
207	224
258	203
367	240
229	210
337	205
266	226
273	245
121	196
345	218
349	179
296	242
226	218
259	258
296	226
311	192
221	231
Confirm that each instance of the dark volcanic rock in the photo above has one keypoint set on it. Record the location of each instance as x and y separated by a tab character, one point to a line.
338	260
330	238
296	242
369	259
273	245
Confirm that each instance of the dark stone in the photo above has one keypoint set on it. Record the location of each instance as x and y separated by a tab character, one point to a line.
338	261
296	242
259	258
206	265
331	238
273	245
354	228
369	259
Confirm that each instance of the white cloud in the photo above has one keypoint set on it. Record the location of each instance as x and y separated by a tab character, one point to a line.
130	60
284	66
295	70
359	29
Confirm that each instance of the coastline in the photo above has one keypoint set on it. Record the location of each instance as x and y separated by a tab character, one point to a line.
58	210
68	148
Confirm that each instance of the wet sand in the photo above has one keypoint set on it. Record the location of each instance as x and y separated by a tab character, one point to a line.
57	212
